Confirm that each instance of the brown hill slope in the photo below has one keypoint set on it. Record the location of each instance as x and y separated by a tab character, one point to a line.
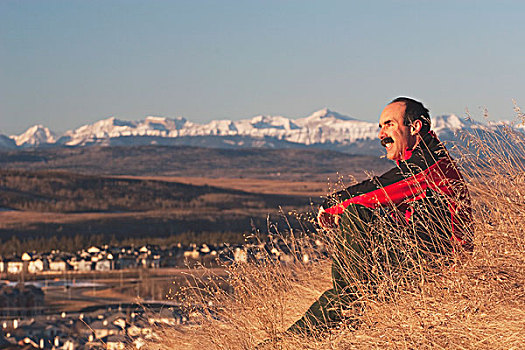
289	164
53	191
39	205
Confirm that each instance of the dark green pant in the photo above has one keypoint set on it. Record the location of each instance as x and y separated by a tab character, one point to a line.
350	263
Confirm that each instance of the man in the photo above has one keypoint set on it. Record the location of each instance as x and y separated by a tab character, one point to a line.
418	212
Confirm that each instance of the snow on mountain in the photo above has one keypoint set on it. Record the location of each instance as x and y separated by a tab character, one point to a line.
515	124
450	123
324	128
269	122
103	129
321	127
325	113
36	135
215	127
520	126
161	126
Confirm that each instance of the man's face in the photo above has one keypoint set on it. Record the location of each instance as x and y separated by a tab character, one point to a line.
395	136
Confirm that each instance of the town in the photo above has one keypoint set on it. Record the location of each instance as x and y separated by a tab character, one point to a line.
107	297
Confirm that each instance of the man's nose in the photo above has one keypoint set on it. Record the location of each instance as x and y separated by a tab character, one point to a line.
381	134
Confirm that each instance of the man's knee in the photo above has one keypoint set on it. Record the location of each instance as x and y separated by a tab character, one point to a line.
358	212
356	219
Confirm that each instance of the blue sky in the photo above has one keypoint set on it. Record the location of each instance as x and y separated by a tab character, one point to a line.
68	63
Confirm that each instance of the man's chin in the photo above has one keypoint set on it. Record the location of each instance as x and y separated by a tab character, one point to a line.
392	156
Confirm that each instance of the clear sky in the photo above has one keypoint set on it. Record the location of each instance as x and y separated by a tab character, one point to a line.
68	63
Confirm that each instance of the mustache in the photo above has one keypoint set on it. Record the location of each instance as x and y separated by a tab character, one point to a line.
386	140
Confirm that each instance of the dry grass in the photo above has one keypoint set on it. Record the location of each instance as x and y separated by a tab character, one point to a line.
479	303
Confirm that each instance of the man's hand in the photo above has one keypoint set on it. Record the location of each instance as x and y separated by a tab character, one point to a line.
327	220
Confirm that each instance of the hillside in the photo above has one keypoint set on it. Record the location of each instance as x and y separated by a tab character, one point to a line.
47	191
43	204
288	164
89	195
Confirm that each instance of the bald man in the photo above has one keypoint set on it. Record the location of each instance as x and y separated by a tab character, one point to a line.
420	209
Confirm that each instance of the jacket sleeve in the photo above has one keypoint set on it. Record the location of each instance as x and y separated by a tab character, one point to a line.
397	186
335	203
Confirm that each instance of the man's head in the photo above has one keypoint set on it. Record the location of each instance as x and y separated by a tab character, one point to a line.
401	123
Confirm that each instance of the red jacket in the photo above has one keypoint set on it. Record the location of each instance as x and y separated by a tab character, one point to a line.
429	177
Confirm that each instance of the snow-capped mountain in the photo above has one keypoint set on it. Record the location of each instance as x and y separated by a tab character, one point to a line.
324	128
451	123
37	135
103	130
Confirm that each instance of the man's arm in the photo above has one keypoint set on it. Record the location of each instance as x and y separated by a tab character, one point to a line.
397	186
334	204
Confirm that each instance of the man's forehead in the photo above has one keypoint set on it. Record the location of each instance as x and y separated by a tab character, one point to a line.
393	111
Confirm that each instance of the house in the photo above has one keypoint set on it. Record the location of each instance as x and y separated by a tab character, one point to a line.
205	249
103	265
138	328
165	316
116	342
83	265
15	266
58	265
192	254
145	250
94	344
36	265
118	319
126	262
51	331
153	261
138	342
69	344
240	254
27	256
93	250
102	329
81	328
125	250
29	341
34	328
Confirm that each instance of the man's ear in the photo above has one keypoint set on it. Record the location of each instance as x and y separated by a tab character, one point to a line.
416	126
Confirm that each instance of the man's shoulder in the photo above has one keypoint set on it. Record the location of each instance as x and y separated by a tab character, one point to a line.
433	144
428	152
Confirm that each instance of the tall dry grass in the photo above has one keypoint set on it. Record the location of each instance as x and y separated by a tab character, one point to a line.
476	303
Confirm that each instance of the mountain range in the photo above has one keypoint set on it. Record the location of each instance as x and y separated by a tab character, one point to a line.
323	129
